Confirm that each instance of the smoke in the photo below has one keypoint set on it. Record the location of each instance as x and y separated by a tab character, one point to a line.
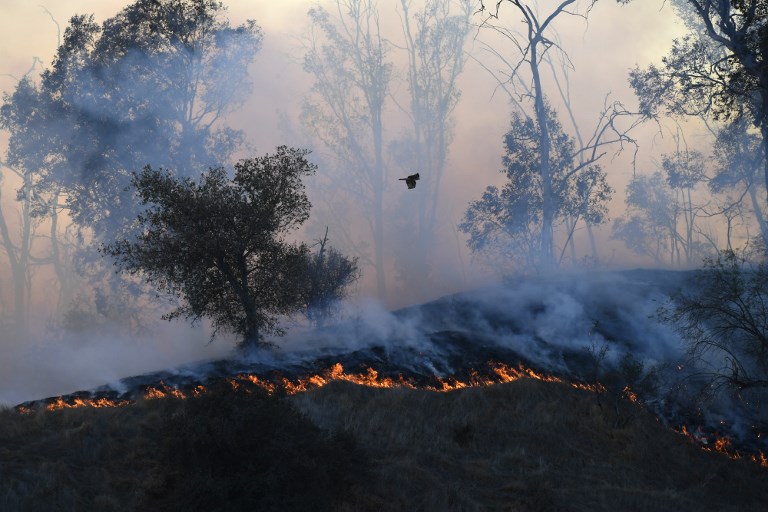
60	363
550	323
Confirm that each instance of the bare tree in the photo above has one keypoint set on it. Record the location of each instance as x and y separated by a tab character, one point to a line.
434	43
522	79
347	56
723	317
530	48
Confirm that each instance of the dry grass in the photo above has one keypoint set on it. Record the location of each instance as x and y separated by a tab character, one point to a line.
97	459
527	446
522	446
223	451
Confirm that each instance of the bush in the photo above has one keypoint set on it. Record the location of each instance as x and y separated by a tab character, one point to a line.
724	321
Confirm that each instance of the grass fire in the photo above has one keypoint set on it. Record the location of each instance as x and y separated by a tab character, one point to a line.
502	438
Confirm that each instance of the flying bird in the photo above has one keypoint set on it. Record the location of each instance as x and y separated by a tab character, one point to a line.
411	180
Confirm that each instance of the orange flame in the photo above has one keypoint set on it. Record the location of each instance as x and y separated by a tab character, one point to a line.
98	403
631	395
163	391
760	459
500	373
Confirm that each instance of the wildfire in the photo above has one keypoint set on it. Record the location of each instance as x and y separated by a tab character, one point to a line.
98	403
496	373
720	444
336	372
163	391
629	394
499	373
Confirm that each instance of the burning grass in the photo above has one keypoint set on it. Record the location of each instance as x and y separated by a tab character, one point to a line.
494	373
532	443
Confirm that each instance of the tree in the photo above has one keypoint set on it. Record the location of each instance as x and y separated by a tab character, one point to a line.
723	317
434	41
649	226
345	111
720	70
23	123
662	219
538	38
219	245
329	274
509	223
738	156
150	85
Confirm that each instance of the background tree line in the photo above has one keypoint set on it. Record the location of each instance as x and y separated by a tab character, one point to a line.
154	85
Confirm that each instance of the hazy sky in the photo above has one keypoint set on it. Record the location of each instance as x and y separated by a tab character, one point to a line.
602	51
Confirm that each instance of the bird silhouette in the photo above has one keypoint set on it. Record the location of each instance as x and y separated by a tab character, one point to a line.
411	180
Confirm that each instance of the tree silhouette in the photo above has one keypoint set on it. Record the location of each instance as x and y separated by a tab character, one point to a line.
434	38
508	223
148	86
218	245
719	70
523	70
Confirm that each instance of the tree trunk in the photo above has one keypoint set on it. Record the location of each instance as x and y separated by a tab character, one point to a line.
548	203
62	273
764	132
758	211
379	206
17	264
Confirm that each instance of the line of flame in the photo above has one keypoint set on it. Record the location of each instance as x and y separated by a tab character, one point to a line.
500	373
721	445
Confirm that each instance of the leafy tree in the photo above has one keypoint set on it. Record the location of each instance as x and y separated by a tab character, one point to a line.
719	70
509	222
150	85
662	220
219	245
649	227
738	156
21	246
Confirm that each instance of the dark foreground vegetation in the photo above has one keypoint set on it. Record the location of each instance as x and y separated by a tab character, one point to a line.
527	445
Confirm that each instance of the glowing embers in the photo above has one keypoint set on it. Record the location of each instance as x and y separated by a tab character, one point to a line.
721	444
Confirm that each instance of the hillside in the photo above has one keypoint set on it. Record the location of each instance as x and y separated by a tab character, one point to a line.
527	445
492	399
